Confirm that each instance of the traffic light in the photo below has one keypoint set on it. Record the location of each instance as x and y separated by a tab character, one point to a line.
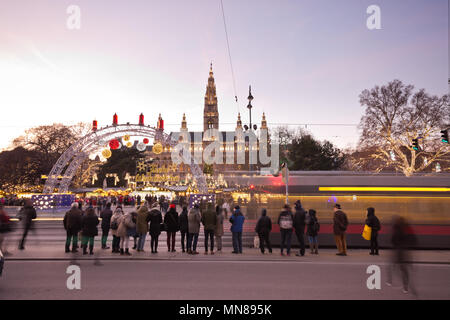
444	136
415	144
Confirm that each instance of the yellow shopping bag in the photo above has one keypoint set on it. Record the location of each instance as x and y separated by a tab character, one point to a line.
367	232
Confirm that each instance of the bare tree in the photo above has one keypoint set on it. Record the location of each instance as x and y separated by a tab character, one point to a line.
394	116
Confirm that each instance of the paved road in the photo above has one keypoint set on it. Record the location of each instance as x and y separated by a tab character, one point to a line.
213	279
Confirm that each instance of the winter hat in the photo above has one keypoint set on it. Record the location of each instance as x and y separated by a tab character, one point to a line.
370	211
264	212
337	206
172	206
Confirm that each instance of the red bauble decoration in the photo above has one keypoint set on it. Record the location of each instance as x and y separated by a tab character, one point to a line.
114	144
146	141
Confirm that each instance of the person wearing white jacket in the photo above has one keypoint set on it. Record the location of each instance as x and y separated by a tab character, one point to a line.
126	224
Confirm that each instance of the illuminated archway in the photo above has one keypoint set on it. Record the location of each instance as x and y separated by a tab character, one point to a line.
64	169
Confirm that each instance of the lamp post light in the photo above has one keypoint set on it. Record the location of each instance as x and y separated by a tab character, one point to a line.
250	128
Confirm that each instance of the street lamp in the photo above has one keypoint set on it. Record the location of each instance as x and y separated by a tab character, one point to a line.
250	127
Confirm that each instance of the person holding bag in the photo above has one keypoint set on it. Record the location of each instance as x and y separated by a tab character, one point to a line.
125	226
374	224
115	221
286	223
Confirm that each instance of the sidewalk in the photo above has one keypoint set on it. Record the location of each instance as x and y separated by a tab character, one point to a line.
55	252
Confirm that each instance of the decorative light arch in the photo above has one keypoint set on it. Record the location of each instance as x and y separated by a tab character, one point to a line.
73	157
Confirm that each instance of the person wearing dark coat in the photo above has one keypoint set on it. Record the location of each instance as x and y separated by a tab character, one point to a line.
184	228
286	223
155	219
299	226
263	228
312	230
26	215
402	239
373	222
72	225
171	222
340	223
89	230
106	215
209	221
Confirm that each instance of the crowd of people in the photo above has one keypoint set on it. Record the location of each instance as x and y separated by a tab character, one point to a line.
155	215
152	217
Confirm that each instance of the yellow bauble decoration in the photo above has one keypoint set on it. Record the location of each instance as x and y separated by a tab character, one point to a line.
106	153
129	144
157	148
126	137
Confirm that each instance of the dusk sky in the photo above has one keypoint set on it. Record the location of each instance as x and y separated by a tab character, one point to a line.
307	61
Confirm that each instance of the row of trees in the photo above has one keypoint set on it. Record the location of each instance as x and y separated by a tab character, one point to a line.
34	154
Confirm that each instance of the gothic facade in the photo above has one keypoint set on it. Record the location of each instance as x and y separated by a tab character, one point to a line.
198	141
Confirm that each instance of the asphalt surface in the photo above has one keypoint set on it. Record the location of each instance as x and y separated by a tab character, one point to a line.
210	279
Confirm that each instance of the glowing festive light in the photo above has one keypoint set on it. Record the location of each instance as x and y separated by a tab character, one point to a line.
146	141
114	144
157	148
406	189
141	146
129	144
126	137
106	153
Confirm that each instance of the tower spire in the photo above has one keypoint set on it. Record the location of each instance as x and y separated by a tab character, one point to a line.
263	121
210	112
184	123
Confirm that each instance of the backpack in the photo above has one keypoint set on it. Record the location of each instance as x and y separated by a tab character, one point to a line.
286	222
114	225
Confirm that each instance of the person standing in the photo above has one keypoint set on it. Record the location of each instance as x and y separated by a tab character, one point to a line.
171	222
237	223
126	227
312	230
155	218
218	232
142	226
373	222
26	215
138	200
263	228
72	224
286	223
209	221
89	230
402	239
115	221
5	227
340	223
106	216
194	219
225	208
299	226
184	229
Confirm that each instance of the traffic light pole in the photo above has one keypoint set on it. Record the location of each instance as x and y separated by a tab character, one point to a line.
287	185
